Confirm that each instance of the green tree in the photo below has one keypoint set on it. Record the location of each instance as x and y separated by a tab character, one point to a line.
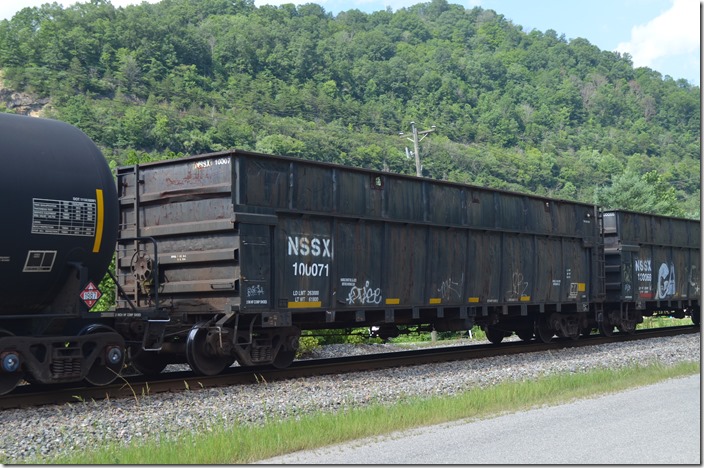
281	145
648	193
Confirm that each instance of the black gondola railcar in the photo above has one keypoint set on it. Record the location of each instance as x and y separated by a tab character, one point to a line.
236	252
653	266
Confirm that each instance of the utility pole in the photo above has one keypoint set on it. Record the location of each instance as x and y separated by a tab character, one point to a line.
415	141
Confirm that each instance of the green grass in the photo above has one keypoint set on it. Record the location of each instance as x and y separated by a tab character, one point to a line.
248	443
663	321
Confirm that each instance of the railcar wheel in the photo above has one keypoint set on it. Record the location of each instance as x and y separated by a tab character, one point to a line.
525	334
494	334
106	368
543	331
606	328
627	326
284	358
696	316
10	372
287	351
148	362
201	354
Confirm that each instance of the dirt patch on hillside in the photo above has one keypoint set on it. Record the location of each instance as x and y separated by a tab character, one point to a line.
20	102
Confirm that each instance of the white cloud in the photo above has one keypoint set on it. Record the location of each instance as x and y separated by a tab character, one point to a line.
674	32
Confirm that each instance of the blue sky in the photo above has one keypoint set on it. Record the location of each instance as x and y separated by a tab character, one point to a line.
664	35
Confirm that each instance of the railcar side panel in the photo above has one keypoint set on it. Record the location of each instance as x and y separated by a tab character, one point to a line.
445	274
317	194
484	267
182	210
405	260
549	270
404	199
360	275
252	176
480	210
305	248
255	256
446	204
518	277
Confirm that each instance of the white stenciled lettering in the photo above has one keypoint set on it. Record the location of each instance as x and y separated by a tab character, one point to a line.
305	246
644	269
643	265
211	162
315	269
292	245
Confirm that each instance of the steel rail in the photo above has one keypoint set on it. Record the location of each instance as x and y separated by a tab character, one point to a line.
138	386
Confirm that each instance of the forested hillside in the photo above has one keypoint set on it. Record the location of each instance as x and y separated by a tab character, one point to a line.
526	111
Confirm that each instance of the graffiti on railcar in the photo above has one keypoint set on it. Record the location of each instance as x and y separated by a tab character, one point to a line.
364	295
449	287
518	287
666	281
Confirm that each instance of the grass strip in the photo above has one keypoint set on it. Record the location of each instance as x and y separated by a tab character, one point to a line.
248	443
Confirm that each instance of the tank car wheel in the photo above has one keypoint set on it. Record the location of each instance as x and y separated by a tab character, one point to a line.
10	373
525	334
494	334
106	370
148	362
543	331
201	355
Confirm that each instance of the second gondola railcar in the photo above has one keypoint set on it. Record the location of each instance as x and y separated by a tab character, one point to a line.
653	265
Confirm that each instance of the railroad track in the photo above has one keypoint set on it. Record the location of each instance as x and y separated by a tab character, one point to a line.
136	386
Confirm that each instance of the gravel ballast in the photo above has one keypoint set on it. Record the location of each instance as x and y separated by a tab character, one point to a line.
60	429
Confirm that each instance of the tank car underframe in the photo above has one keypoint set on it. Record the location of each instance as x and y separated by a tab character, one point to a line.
56	359
63	343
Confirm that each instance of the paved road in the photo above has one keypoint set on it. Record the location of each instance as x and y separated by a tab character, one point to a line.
658	424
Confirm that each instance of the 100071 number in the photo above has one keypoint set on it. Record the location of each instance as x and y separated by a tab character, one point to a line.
314	269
